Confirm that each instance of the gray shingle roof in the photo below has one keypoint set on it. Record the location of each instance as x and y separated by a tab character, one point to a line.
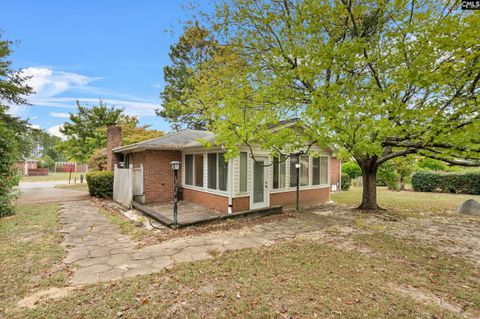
174	141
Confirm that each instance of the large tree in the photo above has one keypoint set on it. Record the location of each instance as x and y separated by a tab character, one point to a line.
376	79
194	48
87	130
13	90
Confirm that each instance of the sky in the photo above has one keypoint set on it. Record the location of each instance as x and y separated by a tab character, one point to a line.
86	50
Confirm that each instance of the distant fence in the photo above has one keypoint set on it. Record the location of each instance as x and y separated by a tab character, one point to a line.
127	183
37	171
66	167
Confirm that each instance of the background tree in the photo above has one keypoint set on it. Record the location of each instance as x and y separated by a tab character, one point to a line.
379	79
86	130
194	48
12	91
133	132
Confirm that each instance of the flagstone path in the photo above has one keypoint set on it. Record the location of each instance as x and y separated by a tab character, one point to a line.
101	253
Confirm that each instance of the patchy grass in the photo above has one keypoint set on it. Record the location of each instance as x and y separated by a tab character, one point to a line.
406	201
53	177
126	226
299	279
76	187
30	252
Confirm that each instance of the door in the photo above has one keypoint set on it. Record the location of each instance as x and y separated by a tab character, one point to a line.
259	196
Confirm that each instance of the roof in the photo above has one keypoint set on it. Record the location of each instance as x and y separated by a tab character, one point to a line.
173	141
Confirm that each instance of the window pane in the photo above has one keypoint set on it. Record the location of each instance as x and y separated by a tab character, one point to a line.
243	172
316	171
222	173
199	170
304	170
258	182
189	169
324	170
279	172
293	171
276	173
212	171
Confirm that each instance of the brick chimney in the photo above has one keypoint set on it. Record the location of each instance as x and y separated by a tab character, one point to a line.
114	139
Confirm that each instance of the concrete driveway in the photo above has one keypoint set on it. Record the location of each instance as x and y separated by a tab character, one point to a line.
46	192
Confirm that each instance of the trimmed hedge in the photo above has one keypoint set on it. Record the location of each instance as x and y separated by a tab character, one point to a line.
458	183
100	183
346	182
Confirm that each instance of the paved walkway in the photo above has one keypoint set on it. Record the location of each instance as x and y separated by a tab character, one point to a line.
101	253
46	192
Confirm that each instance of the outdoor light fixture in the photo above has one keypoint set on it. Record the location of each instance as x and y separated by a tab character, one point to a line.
175	167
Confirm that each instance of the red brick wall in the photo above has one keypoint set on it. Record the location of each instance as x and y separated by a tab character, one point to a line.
114	139
158	174
213	201
308	198
240	204
334	171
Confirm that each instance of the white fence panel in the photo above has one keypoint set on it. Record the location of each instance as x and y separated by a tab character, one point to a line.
123	186
138	181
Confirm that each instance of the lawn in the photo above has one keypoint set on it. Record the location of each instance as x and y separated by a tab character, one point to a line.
76	187
30	252
362	269
53	177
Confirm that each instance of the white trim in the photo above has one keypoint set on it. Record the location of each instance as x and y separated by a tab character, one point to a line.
293	189
266	190
206	190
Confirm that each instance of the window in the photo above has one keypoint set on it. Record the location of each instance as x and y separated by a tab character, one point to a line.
243	172
320	171
217	171
279	172
189	169
293	170
222	173
324	170
198	159
212	170
303	170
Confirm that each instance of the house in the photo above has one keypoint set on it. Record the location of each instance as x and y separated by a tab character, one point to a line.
207	179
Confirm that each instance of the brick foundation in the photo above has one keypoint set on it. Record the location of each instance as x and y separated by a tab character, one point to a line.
240	204
308	198
213	201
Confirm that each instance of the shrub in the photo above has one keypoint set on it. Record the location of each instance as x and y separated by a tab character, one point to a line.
351	169
100	184
387	176
432	165
346	182
459	183
8	173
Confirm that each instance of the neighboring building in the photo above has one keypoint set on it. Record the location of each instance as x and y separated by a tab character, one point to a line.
208	180
27	165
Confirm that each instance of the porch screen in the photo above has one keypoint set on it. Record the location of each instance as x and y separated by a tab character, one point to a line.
199	170
324	170
243	172
212	170
279	172
222	173
189	169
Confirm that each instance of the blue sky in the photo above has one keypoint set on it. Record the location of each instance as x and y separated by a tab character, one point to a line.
86	50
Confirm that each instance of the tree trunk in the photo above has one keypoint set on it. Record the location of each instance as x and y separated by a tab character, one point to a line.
369	196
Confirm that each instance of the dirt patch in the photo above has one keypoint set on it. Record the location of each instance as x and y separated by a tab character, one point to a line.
426	297
53	293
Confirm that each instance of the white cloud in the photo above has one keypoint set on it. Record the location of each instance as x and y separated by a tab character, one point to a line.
60	115
47	82
35	126
55	131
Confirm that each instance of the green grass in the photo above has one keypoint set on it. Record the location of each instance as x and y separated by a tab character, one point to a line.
51	177
29	250
76	187
126	226
407	201
297	279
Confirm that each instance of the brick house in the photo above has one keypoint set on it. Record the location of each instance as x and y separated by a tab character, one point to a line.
209	180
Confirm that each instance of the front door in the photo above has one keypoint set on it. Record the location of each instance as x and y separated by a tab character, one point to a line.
259	196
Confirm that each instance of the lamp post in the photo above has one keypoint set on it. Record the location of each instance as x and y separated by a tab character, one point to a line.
175	167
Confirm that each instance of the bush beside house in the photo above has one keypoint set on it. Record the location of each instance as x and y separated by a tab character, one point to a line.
459	183
100	184
346	182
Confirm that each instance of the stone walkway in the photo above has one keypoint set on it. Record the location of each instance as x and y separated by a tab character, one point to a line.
101	253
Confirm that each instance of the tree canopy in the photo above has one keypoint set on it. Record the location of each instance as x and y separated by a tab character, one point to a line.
377	79
87	130
194	48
